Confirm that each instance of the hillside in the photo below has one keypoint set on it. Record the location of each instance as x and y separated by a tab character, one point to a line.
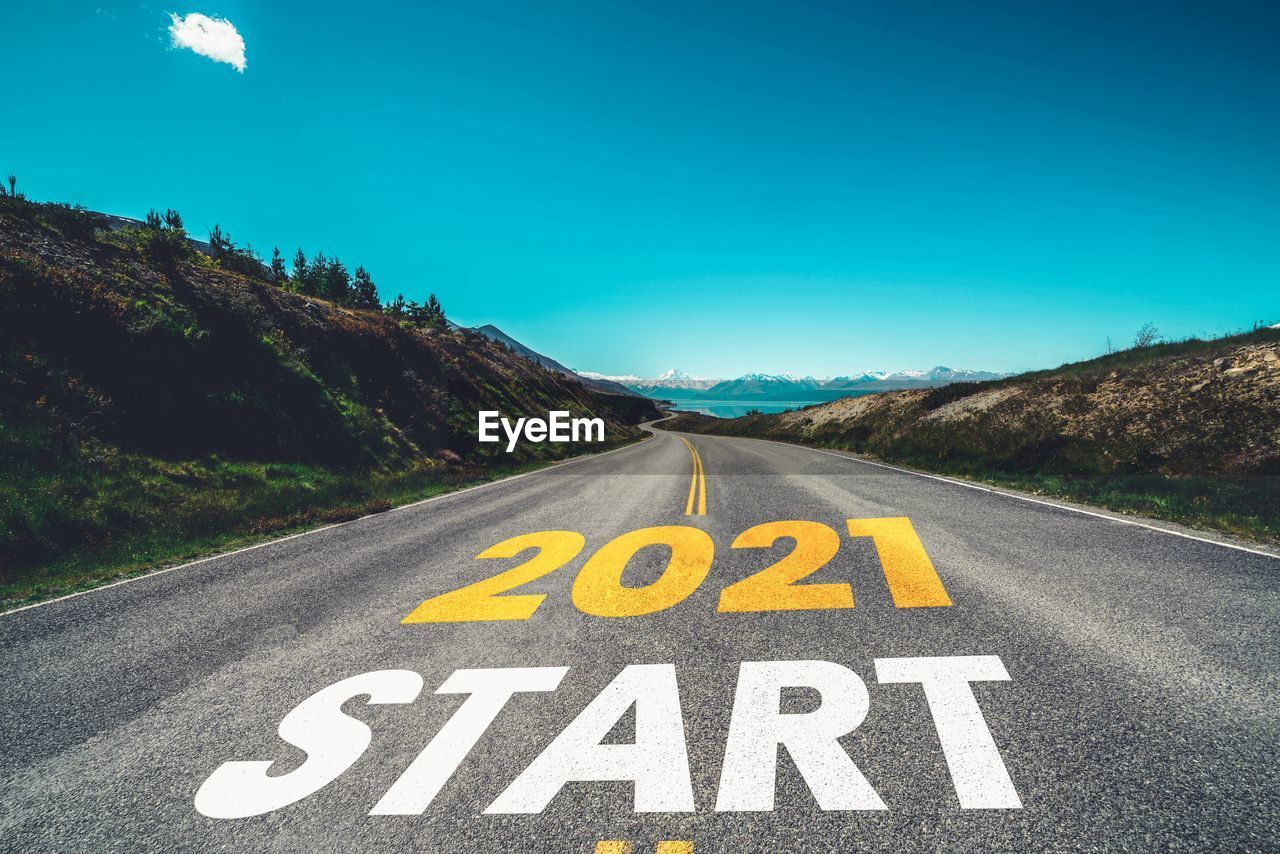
493	333
155	404
1188	431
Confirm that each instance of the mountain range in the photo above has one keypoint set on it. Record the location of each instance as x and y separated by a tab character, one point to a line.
679	385
676	385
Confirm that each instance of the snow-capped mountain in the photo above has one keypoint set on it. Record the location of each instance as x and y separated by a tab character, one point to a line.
867	376
673	379
945	374
676	384
855	379
625	379
781	378
676	375
764	386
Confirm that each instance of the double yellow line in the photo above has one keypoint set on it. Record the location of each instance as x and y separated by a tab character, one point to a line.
698	485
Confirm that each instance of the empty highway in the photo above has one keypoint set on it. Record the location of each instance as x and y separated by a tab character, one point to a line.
883	661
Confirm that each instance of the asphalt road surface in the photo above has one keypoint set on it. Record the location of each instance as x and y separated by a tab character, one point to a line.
1140	710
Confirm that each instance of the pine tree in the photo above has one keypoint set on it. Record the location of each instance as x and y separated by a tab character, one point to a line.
433	312
299	268
173	220
220	243
364	293
153	220
397	308
426	315
413	313
313	275
337	282
277	266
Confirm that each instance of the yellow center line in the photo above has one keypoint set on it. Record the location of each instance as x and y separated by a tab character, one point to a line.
697	484
702	485
693	482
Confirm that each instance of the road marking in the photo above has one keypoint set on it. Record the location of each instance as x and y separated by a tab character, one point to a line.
912	580
1120	519
777	587
656	763
614	846
560	465
697	484
483	600
598	589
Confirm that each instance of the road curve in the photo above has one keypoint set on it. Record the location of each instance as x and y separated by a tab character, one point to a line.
1140	712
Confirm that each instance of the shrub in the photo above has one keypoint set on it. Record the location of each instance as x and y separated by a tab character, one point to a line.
1146	336
74	222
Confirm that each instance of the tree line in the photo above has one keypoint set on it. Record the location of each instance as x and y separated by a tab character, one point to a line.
318	276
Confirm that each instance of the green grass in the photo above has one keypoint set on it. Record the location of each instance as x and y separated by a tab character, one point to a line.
116	515
1244	506
156	406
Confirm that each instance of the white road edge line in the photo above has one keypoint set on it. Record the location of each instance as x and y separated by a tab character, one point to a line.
265	543
1110	518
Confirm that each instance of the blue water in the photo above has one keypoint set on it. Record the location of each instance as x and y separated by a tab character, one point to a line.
736	408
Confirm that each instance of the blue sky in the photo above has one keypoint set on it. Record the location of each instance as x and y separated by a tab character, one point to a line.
813	188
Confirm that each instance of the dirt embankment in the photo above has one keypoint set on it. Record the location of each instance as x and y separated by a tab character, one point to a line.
1189	408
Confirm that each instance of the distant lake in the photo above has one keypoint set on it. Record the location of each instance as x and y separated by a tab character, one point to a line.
738	408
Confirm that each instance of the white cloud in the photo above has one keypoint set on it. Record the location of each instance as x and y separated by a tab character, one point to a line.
215	38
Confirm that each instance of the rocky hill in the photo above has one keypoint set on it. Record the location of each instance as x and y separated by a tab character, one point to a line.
1188	430
152	398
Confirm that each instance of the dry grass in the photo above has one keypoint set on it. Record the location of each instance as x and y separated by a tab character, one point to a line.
1188	431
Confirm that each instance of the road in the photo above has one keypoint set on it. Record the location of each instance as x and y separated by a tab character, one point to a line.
1140	710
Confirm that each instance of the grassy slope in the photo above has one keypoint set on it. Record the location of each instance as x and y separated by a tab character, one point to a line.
156	407
1186	431
181	511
